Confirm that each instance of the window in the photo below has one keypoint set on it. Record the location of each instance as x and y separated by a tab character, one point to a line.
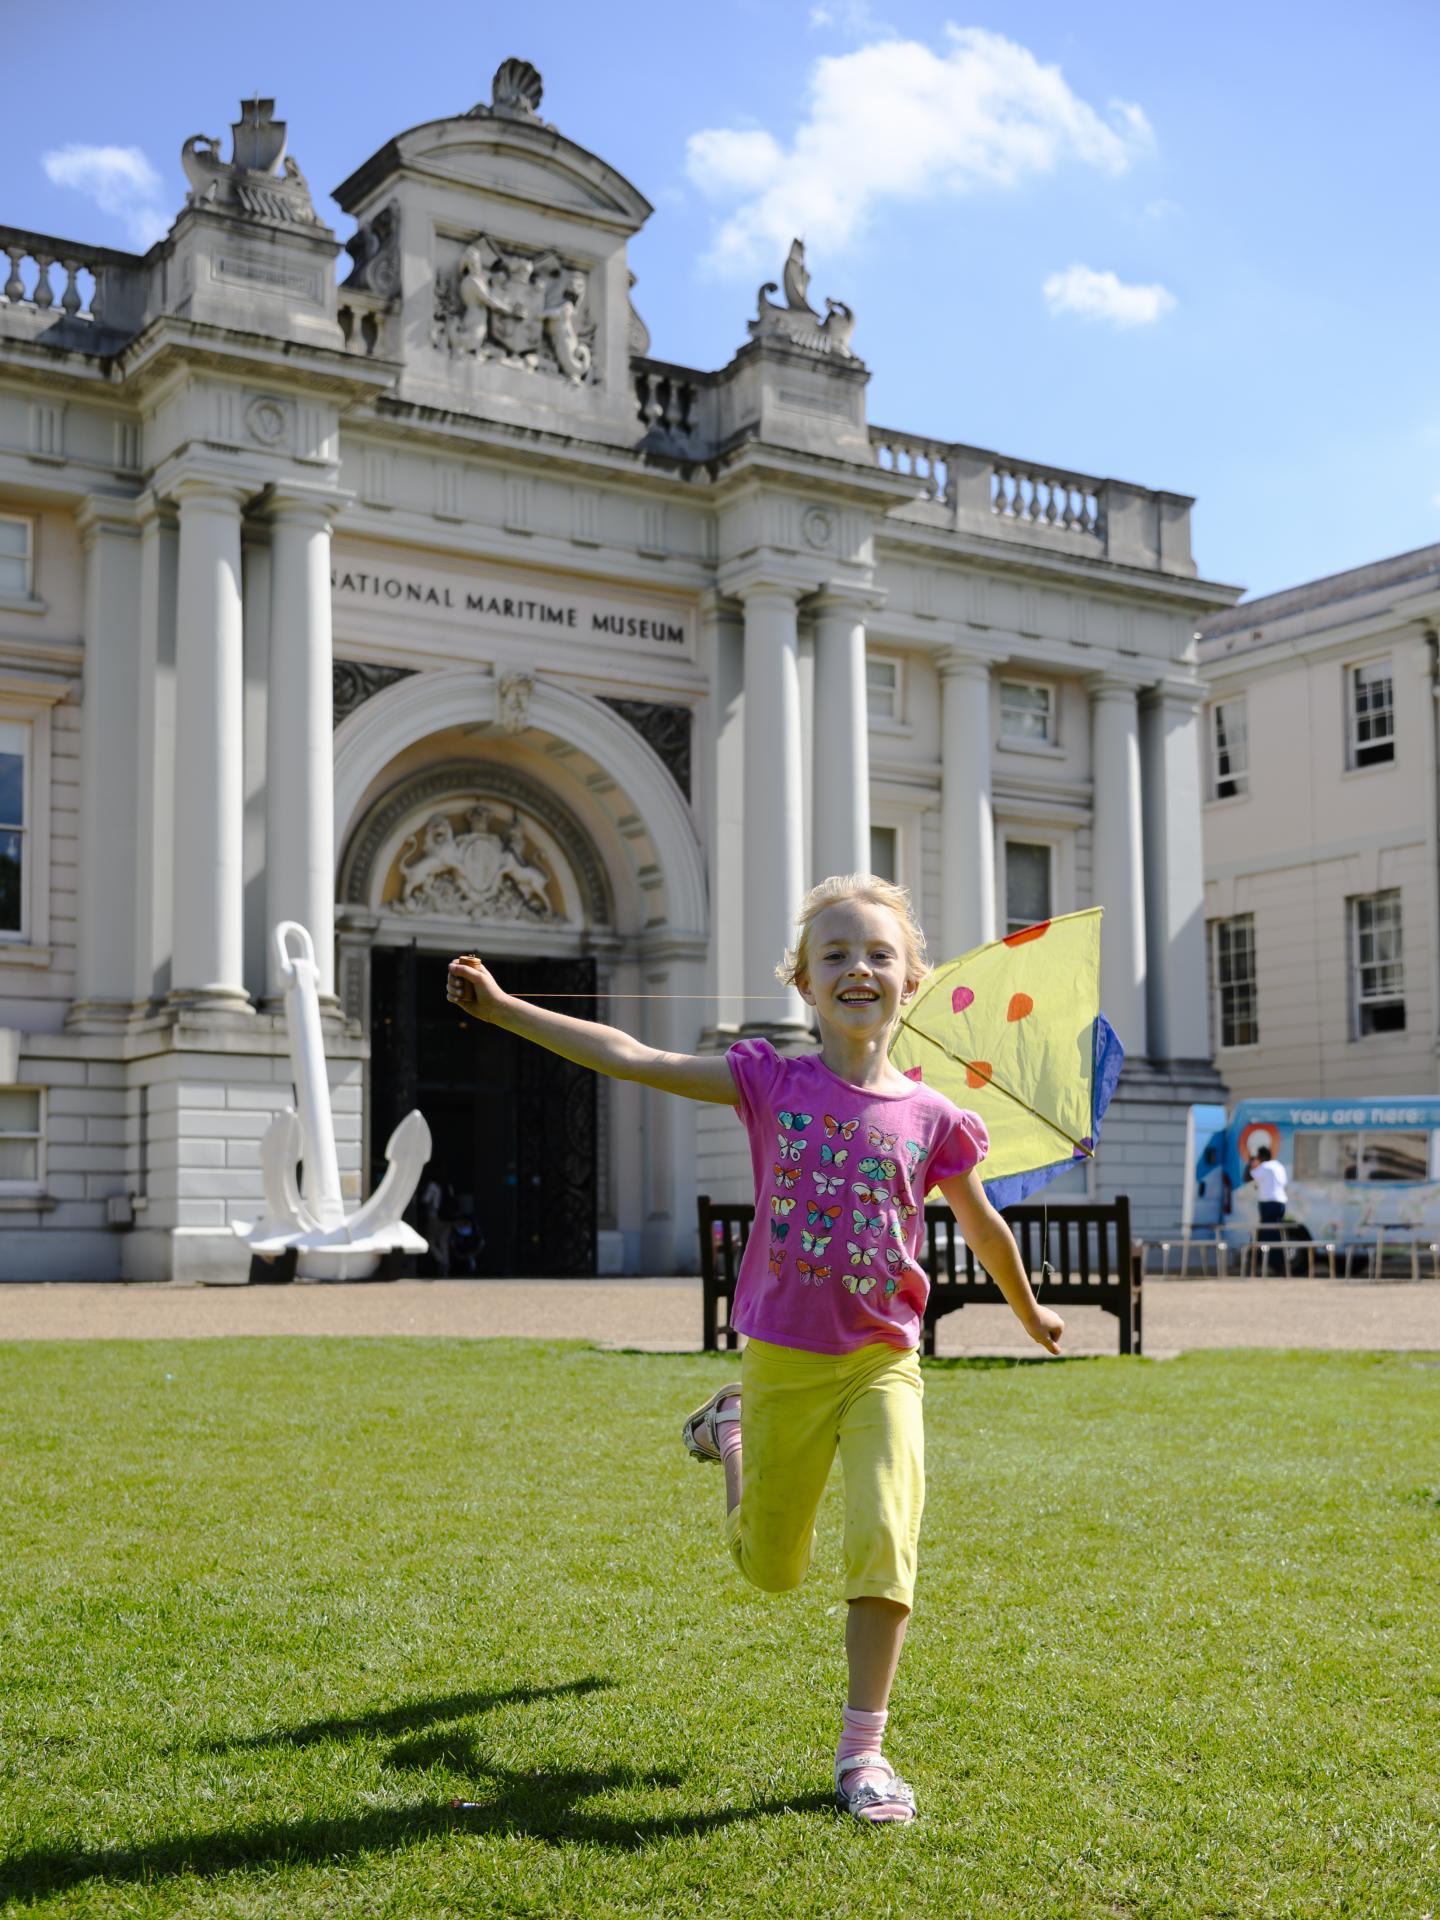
882	689
1372	714
1028	887
1378	965
17	554
1229	750
885	852
19	1137
1377	1155
14	740
1232	961
1027	713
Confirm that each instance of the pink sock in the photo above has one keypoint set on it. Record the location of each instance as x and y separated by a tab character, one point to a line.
862	1732
728	1431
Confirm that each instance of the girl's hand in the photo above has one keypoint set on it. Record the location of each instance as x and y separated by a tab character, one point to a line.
1046	1327
470	986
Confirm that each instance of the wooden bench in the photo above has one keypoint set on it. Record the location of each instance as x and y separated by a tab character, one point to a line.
1094	1262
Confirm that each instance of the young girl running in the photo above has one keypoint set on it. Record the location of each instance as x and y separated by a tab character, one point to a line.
830	1294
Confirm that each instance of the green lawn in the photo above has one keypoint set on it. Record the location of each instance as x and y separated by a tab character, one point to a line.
269	1605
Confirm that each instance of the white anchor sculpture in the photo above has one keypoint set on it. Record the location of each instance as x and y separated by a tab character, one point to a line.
311	1217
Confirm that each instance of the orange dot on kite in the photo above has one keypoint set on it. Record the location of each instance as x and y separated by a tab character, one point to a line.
1020	1005
961	998
977	1073
1027	933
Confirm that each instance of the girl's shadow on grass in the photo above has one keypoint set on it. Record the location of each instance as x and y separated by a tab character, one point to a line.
546	1806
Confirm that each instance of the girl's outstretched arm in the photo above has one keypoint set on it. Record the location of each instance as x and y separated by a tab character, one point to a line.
695	1076
993	1245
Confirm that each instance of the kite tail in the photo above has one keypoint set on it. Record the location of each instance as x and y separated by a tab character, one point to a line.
1109	1058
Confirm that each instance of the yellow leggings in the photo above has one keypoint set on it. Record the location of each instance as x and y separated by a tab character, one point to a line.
796	1408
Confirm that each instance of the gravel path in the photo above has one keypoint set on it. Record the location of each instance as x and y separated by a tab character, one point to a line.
664	1315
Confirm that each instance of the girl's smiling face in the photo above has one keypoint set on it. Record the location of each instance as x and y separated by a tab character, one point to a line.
855	975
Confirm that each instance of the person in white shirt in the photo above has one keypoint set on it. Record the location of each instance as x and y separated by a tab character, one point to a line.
1272	1184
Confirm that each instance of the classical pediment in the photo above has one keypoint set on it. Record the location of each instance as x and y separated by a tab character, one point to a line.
515	159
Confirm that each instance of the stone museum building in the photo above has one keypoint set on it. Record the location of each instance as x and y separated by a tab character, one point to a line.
397	587
1322	870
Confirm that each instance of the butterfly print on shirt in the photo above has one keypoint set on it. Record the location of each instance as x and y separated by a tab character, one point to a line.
797	1122
846	1129
777	1261
818	1216
833	1156
874	1169
777	1205
790	1149
785	1176
827	1183
885	1141
811	1276
813	1242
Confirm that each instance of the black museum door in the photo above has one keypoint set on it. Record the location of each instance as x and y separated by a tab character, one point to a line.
513	1125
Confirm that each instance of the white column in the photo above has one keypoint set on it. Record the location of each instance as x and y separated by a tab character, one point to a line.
1174	872
300	760
723	649
109	780
967	814
774	832
155	752
209	748
672	969
255	587
1118	857
841	832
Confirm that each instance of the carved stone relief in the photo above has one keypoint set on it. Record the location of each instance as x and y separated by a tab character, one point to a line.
797	321
491	869
375	250
249	183
526	310
512	703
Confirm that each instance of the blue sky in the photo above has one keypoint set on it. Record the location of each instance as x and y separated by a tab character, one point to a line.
1194	249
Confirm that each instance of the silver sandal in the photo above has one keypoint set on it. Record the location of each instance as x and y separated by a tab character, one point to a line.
863	1802
701	1429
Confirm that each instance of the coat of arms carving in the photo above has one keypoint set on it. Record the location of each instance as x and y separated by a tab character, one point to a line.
490	871
520	309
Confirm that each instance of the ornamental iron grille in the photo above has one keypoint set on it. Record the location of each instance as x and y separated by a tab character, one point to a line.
665	728
514	1126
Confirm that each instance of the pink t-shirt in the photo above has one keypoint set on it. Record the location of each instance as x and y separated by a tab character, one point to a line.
841	1175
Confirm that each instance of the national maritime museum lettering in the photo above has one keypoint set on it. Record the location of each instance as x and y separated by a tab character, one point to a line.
394	586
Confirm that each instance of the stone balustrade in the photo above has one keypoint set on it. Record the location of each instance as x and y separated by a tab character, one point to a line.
93	293
926	461
667	404
366	322
1014	500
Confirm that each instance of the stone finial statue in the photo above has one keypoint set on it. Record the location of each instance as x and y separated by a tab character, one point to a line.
515	94
251	183
797	321
311	1220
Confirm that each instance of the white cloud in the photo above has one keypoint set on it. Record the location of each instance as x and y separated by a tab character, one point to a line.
896	121
1101	296
121	182
1435	499
852	17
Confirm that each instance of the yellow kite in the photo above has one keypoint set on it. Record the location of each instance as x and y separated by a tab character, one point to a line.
1014	1032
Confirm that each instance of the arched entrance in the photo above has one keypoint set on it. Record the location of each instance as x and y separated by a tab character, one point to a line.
517	841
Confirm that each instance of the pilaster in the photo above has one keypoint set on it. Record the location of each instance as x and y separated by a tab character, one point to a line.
967	815
1174	872
1119	861
109	781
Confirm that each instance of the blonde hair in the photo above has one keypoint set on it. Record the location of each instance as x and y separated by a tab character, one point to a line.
854	886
